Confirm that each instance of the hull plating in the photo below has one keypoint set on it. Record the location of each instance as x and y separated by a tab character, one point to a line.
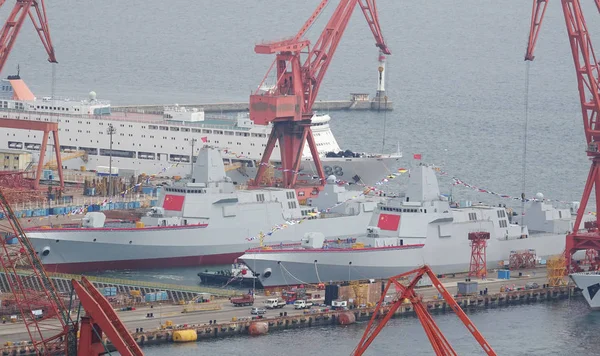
78	250
443	255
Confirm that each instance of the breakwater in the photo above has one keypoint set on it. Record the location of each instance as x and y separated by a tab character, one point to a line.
325	105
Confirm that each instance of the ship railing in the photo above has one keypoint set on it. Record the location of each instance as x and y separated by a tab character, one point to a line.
147	284
50	99
80	201
129	117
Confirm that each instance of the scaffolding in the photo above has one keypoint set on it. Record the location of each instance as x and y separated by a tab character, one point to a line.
522	259
18	189
591	259
556	269
478	265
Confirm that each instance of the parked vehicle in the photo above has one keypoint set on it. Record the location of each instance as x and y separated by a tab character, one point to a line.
257	311
339	304
302	304
532	285
246	300
274	303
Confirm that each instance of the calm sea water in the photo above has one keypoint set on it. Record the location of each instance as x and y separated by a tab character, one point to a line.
557	328
457	79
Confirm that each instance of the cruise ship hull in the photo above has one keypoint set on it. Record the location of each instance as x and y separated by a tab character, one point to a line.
99	249
589	283
291	267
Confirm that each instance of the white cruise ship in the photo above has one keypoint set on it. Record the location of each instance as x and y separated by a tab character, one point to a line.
152	143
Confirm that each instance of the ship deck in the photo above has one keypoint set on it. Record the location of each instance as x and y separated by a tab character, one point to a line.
333	246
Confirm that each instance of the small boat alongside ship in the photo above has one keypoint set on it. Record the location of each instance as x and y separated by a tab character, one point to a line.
205	221
419	228
239	275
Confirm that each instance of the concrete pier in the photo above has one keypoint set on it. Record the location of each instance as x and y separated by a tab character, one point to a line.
220	319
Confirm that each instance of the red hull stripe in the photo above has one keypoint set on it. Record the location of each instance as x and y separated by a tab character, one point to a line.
325	250
171	262
118	228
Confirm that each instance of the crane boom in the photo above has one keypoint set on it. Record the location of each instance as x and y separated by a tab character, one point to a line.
537	16
13	25
288	105
587	72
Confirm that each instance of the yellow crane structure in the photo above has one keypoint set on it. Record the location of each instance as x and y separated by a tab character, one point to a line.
65	157
233	166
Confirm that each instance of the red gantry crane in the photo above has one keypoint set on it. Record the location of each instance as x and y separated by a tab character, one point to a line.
13	25
48	322
288	105
383	314
586	70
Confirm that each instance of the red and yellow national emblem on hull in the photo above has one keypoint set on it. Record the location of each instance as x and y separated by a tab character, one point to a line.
173	202
388	222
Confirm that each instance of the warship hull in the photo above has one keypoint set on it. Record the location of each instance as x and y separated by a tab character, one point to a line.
291	267
98	249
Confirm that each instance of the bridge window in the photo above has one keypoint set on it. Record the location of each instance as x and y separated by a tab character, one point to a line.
146	155
32	146
13	144
117	153
68	148
89	150
179	158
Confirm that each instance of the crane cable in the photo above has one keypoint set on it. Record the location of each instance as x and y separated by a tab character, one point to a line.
527	65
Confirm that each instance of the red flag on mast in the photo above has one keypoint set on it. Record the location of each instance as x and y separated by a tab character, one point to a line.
417	156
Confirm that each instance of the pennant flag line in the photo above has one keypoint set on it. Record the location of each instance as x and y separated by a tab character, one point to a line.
460	182
367	190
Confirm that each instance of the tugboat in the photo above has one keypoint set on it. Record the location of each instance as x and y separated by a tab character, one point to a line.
238	276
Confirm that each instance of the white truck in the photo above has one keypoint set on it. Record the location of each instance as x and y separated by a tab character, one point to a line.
274	303
302	304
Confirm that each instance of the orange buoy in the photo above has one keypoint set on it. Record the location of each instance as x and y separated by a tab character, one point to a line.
346	318
258	328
